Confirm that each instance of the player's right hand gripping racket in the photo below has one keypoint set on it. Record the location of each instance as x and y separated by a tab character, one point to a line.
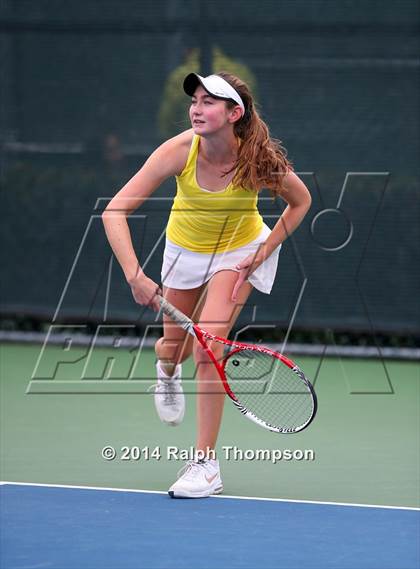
265	386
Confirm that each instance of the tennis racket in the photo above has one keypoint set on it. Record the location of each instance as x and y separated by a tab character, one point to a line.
264	385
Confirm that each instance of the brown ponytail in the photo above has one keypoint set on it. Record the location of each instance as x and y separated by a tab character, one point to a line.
262	161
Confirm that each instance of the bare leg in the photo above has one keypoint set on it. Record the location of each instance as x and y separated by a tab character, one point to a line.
176	345
218	315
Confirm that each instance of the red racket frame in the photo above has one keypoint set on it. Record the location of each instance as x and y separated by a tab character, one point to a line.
239	346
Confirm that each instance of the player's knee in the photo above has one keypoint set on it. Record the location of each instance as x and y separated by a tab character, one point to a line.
199	352
201	355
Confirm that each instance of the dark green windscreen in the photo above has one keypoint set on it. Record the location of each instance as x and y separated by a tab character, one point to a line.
90	88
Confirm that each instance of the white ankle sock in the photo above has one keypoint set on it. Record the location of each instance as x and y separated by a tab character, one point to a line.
163	372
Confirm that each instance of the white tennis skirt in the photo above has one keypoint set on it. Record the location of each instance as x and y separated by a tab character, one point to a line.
184	269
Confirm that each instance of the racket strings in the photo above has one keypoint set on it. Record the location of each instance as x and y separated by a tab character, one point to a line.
269	389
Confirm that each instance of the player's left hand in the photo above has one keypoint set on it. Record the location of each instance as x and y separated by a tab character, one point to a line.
246	267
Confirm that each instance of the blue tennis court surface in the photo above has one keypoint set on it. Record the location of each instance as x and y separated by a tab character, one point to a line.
66	528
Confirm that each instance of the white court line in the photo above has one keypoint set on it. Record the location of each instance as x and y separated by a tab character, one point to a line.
137	491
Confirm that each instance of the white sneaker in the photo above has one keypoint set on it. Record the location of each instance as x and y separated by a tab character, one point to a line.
169	397
198	479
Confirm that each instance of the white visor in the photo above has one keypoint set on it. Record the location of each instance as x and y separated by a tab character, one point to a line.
214	85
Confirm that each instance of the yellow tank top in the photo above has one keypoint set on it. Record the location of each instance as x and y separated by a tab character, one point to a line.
211	222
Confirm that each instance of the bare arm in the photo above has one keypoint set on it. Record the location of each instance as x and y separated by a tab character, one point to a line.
166	161
299	200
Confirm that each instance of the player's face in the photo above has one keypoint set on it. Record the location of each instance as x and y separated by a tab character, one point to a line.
207	114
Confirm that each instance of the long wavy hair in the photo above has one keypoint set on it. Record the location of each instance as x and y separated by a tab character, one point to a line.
262	161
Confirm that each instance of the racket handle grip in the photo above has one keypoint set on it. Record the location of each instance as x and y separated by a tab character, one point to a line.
176	315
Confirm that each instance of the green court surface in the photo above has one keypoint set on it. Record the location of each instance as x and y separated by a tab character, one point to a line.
365	438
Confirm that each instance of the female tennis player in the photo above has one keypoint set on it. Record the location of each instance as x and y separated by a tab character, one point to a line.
217	246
